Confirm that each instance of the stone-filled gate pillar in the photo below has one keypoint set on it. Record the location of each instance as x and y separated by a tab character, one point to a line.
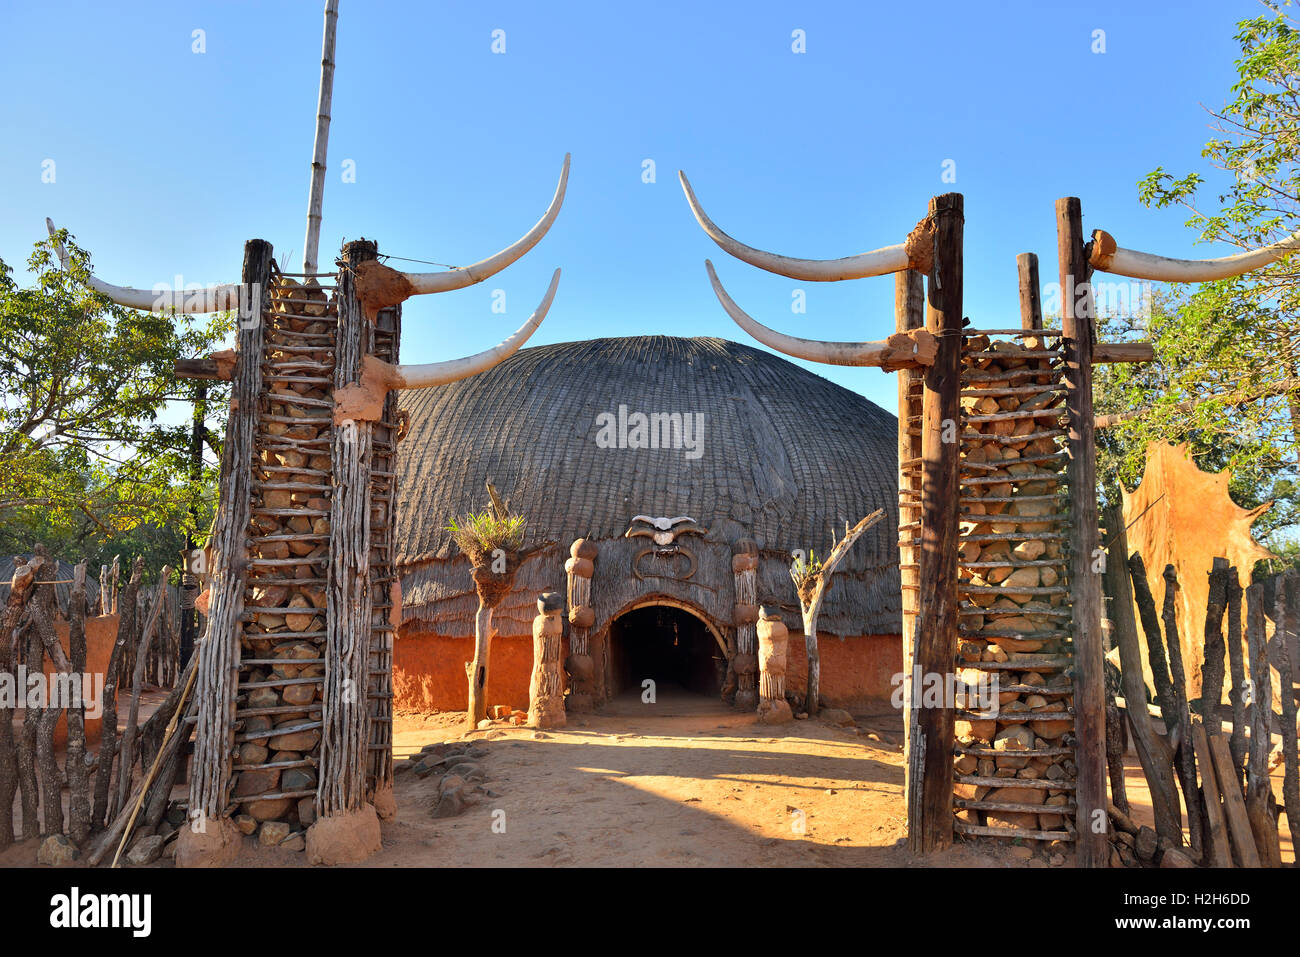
211	839
346	829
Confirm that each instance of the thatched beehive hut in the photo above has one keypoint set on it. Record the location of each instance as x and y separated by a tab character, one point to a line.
768	458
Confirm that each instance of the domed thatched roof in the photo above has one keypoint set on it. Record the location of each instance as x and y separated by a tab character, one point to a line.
786	457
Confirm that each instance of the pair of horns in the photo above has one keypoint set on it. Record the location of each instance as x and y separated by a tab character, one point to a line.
1104	255
898	351
226	297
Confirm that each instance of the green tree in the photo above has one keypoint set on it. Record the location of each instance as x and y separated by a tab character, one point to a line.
1227	373
84	457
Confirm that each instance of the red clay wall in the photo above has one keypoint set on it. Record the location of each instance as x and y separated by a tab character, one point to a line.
856	672
429	670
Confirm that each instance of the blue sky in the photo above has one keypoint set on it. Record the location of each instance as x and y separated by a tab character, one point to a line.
166	160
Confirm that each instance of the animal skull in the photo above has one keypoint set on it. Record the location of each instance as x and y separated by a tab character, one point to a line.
665	530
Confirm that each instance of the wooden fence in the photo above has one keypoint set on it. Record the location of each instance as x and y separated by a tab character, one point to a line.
1220	762
118	786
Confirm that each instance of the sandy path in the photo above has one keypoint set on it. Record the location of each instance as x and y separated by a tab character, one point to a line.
690	784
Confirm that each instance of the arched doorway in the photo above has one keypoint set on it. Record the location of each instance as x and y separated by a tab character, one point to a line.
668	644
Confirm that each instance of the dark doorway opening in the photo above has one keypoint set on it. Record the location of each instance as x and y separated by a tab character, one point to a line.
668	645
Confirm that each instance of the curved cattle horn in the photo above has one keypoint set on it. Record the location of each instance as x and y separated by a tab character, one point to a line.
440	373
898	351
875	263
213	299
462	276
1108	257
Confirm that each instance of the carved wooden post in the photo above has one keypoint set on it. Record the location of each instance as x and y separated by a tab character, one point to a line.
773	637
346	827
580	567
744	664
909	313
210	838
929	760
1078	337
546	690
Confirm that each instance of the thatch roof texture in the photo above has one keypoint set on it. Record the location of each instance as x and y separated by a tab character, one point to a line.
786	458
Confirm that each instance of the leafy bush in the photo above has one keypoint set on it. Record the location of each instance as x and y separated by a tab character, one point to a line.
479	534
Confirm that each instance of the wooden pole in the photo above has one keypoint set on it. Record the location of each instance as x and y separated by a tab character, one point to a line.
101	813
218	669
1085	579
1164	686
43	610
929	759
1186	747
150	629
1031	307
1153	753
476	699
1285	623
27	778
75	761
1237	668
909	314
345	735
1212	668
15	603
1259	790
1217	851
320	148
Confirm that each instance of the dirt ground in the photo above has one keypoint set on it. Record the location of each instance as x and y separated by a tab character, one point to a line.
683	783
686	782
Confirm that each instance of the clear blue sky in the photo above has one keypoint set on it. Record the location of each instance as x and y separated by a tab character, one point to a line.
167	159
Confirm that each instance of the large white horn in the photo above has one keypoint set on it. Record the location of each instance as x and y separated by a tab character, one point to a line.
462	276
212	299
901	350
875	263
440	373
1108	257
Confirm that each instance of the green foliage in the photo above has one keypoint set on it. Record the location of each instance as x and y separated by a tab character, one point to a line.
479	534
84	458
805	569
1226	379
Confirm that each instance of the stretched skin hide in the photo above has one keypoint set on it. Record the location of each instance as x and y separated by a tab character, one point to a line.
1184	517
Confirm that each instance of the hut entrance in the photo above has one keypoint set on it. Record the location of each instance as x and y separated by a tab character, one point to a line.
669	645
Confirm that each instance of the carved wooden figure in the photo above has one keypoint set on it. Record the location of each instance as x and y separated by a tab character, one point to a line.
546	690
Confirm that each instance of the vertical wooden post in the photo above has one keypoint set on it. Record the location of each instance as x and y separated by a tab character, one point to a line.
385	586
546	689
909	313
1031	307
929	760
1151	749
218	668
1260	803
773	641
345	735
1079	334
580	568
